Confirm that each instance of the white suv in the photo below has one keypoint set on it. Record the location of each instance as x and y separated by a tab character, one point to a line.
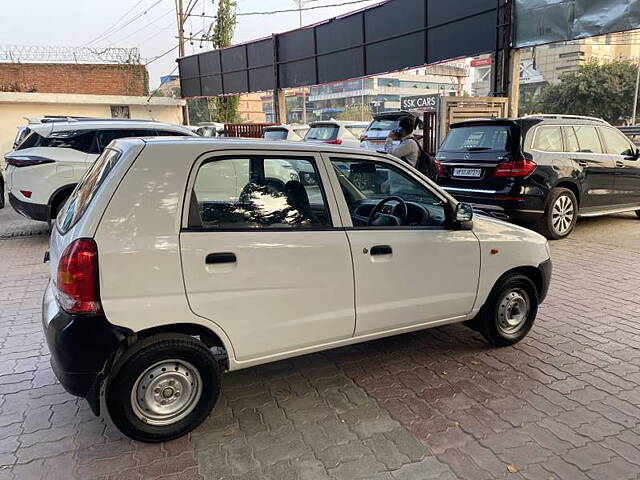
174	261
52	157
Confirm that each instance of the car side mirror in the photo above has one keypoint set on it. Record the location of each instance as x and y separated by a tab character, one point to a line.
464	212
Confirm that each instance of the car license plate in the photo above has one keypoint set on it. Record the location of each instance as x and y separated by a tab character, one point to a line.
467	172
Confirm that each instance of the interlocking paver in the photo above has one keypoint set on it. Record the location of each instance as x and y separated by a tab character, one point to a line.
438	404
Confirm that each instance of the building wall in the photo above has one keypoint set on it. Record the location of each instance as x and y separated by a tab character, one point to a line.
250	108
73	78
14	107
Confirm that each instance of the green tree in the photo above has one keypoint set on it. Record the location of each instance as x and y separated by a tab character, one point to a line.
598	90
225	108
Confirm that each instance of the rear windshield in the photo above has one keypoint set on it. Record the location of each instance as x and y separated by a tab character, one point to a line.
323	132
81	197
81	140
280	134
477	138
355	130
384	124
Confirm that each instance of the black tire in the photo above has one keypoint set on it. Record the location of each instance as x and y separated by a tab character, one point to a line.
491	320
638	213
1	192
546	225
158	352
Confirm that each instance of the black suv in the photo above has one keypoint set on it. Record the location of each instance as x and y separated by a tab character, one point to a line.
543	170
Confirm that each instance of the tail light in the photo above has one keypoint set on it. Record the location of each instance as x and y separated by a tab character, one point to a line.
77	279
440	170
515	168
337	141
26	160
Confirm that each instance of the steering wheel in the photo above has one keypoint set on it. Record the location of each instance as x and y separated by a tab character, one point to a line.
401	203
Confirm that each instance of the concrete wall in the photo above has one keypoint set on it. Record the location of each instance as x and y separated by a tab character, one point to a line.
14	107
73	78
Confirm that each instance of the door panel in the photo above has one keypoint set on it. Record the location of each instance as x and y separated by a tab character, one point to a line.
627	176
598	169
430	275
286	290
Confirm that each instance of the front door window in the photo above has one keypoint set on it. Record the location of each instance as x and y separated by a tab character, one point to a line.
380	195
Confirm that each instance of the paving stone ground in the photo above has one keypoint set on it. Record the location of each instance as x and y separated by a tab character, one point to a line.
438	404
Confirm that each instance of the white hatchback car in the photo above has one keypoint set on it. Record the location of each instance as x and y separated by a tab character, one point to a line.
336	132
175	260
54	155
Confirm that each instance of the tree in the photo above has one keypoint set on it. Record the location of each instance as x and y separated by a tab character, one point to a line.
598	90
225	108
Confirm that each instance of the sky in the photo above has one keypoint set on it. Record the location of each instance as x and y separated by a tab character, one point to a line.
77	23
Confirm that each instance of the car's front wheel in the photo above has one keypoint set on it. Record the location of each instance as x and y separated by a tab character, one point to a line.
1	194
509	312
163	387
561	214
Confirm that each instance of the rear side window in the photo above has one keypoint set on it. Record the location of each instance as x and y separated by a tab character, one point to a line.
477	138
548	139
615	142
323	132
588	141
105	137
84	192
254	192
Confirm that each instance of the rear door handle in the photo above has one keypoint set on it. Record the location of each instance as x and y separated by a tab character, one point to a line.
620	164
583	163
381	250
221	257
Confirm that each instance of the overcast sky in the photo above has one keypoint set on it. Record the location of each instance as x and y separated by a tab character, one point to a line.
78	22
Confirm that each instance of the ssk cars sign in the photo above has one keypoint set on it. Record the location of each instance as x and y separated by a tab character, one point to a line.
420	103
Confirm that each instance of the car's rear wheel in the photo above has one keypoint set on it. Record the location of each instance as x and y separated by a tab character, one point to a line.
510	311
561	214
1	194
163	387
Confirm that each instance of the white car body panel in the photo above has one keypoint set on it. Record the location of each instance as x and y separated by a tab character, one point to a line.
143	253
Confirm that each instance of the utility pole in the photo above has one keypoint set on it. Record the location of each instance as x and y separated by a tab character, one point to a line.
181	19
300	4
635	97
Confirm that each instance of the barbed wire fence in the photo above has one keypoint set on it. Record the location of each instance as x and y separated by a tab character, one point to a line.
52	54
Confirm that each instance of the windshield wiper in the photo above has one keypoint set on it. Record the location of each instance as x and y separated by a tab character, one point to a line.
477	149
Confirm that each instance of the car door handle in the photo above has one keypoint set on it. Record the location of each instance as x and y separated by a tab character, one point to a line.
583	163
221	257
381	250
620	164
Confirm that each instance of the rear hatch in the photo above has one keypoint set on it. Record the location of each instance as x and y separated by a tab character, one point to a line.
324	133
378	130
480	156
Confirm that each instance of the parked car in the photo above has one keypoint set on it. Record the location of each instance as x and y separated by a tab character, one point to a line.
336	132
45	167
294	133
166	273
375	136
210	129
544	170
632	133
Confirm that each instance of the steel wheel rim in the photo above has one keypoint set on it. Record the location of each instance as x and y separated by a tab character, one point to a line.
166	392
513	311
562	214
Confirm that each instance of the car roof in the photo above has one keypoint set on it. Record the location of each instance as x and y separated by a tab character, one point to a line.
531	120
245	144
46	129
345	123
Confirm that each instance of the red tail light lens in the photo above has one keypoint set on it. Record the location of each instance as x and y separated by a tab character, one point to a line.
440	170
515	168
26	160
337	141
77	279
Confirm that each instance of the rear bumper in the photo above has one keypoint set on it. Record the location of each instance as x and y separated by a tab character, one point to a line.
80	346
34	211
527	210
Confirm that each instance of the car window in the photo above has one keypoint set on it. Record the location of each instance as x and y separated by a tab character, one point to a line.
84	192
166	133
355	130
258	192
548	139
588	141
81	140
276	134
571	144
384	124
615	143
477	138
105	137
365	183
323	132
